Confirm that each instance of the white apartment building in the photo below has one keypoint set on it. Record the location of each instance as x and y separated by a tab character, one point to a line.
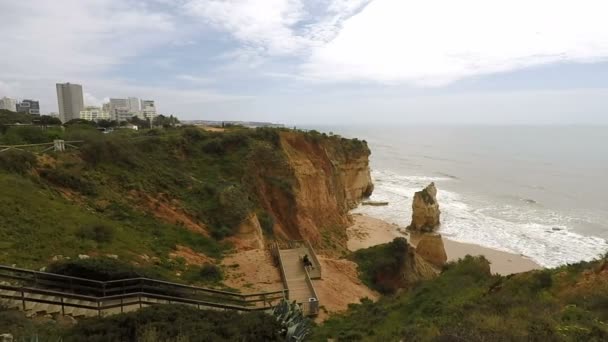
148	109
94	114
8	104
133	104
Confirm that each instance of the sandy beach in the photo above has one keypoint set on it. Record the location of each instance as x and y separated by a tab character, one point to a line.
368	231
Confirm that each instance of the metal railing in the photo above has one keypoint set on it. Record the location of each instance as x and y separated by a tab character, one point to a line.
62	287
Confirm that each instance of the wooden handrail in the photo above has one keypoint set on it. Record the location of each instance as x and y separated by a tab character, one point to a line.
69	282
100	306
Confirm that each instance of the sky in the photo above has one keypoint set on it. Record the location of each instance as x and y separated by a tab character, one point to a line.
318	61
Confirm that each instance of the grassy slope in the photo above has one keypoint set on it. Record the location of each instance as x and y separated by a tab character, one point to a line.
206	176
41	212
466	303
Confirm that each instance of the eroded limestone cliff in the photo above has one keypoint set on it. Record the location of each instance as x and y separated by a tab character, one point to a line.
310	191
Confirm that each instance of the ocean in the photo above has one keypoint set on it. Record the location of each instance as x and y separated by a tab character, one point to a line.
539	191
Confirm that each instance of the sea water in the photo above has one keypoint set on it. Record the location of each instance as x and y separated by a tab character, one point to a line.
537	191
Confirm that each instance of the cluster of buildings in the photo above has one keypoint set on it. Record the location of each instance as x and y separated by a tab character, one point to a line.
71	106
26	106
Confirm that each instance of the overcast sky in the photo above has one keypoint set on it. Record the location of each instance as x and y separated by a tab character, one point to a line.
318	61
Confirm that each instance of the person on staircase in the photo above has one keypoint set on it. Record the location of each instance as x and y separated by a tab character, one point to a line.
307	262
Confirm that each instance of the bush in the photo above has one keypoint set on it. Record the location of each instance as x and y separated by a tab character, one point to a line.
28	135
97	232
178	323
234	206
67	179
208	273
266	222
378	265
214	146
102	269
111	150
17	161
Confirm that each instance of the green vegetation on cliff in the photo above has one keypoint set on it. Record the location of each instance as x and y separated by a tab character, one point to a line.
467	303
156	323
140	195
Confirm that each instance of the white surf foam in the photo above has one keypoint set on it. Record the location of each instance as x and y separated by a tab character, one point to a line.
543	235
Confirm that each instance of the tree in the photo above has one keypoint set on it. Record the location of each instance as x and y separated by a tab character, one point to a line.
164	121
107	123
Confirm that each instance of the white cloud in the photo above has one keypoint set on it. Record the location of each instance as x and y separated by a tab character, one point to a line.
276	27
194	79
434	42
266	24
47	38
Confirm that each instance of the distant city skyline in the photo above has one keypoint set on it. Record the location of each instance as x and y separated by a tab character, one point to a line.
318	61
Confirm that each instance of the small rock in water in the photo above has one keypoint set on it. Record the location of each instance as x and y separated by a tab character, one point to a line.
556	229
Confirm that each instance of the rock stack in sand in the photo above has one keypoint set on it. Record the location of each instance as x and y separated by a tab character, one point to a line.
425	210
430	248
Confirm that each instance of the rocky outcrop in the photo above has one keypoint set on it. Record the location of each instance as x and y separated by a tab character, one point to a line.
430	248
425	210
397	265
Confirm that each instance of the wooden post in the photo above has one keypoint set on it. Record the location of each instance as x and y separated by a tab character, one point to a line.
59	145
23	299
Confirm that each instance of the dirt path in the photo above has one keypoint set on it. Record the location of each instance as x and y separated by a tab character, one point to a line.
251	271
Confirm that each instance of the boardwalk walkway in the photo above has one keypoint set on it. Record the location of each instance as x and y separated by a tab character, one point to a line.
299	280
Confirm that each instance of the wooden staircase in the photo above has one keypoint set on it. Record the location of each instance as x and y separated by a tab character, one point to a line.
39	293
297	279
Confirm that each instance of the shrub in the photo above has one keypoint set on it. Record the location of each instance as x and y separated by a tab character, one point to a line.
112	150
97	232
208	273
17	161
102	269
214	146
379	264
67	179
178	322
266	222
234	206
28	135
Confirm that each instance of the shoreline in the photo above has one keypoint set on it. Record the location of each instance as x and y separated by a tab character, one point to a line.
367	231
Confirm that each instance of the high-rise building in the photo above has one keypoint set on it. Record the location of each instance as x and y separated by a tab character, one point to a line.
29	106
70	100
148	109
133	104
8	104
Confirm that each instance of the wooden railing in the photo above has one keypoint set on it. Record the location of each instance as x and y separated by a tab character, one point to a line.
56	145
276	256
311	307
27	281
316	272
